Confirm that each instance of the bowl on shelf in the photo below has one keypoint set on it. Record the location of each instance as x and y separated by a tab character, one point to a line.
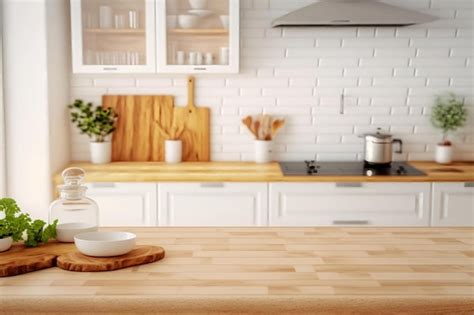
188	20
105	244
65	232
224	21
200	13
198	4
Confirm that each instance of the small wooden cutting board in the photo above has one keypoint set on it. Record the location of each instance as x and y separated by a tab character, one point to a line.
140	255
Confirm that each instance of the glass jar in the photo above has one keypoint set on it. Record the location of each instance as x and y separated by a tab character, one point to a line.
74	211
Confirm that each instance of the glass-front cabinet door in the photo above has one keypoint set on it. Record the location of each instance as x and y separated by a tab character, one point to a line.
113	36
197	36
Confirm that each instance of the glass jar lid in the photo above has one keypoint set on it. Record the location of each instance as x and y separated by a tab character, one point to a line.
72	187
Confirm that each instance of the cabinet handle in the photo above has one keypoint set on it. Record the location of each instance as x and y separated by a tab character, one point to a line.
212	185
109	68
469	184
350	222
103	185
348	185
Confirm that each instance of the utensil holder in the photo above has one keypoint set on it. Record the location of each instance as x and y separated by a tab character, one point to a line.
173	151
263	151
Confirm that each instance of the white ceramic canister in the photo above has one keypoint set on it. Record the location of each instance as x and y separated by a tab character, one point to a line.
199	59
180	56
192	58
444	154
105	16
209	59
173	151
263	151
101	152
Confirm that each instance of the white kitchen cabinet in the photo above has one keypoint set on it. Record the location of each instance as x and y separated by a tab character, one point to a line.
197	40
125	204
453	204
113	36
212	204
155	36
367	204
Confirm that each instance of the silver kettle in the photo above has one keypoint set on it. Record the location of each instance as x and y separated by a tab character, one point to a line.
378	147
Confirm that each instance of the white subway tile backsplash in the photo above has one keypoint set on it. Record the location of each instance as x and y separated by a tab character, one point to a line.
388	75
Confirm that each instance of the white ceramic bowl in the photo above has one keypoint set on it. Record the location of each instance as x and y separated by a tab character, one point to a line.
188	20
105	244
65	232
198	4
201	13
224	21
5	243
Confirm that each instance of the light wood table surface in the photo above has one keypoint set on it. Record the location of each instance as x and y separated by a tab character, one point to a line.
268	270
252	172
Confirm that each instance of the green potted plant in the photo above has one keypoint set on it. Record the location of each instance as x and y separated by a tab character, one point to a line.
448	114
14	224
98	123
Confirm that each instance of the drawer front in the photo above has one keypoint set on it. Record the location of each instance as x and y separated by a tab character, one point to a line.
453	204
212	204
328	204
125	204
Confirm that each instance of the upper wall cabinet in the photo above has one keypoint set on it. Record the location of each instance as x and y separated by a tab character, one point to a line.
149	36
113	36
196	36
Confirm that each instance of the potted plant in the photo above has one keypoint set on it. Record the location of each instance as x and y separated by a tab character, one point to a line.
98	123
14	224
448	114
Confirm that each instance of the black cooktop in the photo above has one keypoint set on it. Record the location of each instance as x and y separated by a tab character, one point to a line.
313	168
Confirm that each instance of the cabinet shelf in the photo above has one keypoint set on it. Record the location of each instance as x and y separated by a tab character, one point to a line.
198	31
125	31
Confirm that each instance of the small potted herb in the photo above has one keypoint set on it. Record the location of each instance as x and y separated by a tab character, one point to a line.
448	114
14	224
98	123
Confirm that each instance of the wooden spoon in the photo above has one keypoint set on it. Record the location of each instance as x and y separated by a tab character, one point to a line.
247	121
277	124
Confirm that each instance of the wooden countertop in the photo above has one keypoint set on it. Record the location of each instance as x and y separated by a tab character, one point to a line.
251	172
270	270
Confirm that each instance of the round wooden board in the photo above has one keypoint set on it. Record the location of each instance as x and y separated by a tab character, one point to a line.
139	256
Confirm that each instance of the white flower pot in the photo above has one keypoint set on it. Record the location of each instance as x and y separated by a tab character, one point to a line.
444	154
263	151
173	151
5	243
101	152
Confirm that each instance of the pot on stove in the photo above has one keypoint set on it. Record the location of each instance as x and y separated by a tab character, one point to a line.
378	148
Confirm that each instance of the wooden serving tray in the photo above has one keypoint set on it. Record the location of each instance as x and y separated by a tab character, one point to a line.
19	259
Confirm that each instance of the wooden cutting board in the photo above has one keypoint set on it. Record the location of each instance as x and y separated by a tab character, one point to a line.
19	259
196	135
140	255
137	137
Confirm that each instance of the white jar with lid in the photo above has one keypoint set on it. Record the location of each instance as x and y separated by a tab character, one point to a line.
74	211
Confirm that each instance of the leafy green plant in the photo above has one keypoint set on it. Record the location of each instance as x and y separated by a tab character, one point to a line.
448	114
15	223
96	122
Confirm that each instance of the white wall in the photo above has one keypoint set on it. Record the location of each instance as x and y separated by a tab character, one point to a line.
33	93
2	118
389	76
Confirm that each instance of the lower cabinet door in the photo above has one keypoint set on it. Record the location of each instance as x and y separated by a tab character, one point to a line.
364	204
125	204
212	204
453	204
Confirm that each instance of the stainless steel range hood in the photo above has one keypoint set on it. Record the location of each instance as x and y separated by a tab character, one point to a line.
352	13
